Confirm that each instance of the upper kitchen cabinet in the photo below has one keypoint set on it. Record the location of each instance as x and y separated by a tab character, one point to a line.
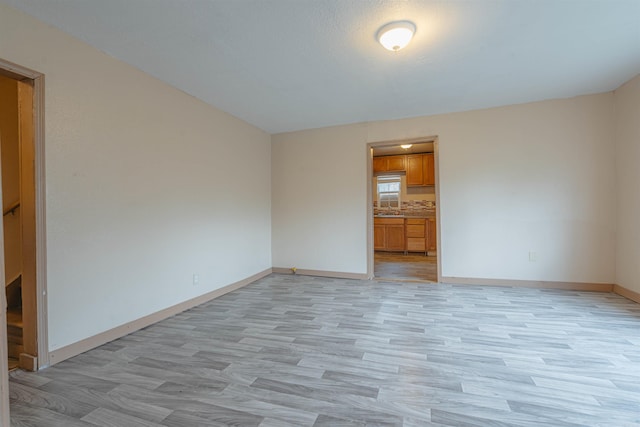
389	164
420	170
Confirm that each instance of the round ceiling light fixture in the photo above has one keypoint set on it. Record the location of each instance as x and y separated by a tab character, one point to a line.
396	35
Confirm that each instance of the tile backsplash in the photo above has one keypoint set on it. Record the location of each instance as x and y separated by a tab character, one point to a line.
407	207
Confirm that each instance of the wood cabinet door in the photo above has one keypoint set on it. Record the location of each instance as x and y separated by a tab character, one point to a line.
432	244
379	164
395	237
395	163
379	237
428	169
415	173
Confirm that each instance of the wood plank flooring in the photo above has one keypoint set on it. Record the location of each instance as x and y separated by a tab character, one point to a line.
397	266
292	350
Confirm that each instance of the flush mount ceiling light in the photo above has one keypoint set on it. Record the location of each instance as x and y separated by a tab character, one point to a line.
396	35
406	146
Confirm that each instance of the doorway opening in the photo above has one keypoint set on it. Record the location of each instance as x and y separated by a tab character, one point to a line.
23	234
403	211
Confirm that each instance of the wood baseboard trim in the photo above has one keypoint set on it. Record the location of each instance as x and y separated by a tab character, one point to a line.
28	362
571	286
321	273
87	344
627	293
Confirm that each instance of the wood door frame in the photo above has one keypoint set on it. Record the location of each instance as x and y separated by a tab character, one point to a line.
436	164
36	80
4	352
36	148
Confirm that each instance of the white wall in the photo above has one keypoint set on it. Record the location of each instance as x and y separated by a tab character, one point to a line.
533	177
627	103
319	202
145	186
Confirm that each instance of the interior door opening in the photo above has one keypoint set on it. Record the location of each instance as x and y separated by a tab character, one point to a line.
403	211
18	202
22	232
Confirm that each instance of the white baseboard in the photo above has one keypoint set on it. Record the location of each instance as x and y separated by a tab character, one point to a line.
87	344
572	286
321	273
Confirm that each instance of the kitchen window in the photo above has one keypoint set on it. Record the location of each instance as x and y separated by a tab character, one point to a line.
389	191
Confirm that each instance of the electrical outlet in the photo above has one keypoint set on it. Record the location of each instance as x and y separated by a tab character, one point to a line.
196	279
533	257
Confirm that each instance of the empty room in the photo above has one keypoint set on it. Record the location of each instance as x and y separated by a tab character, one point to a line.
281	213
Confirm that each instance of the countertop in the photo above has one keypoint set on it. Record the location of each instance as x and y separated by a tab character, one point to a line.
408	215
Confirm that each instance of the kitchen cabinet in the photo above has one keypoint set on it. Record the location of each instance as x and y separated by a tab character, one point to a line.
416	232
429	169
405	234
432	240
415	173
389	164
378	236
421	235
420	170
388	234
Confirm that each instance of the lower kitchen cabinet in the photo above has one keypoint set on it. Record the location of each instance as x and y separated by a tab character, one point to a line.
388	234
404	235
432	239
416	234
379	236
421	234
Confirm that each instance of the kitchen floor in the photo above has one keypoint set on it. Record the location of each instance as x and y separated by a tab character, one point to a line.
396	265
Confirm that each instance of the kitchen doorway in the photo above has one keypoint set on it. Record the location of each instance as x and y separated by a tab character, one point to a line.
403	211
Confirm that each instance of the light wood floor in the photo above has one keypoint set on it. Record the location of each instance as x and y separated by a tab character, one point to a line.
396	265
301	351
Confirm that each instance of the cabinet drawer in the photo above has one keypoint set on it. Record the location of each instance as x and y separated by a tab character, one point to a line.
388	221
416	244
415	230
415	221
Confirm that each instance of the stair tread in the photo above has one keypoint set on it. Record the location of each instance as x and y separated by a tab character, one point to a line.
14	318
13	363
14	350
15	339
